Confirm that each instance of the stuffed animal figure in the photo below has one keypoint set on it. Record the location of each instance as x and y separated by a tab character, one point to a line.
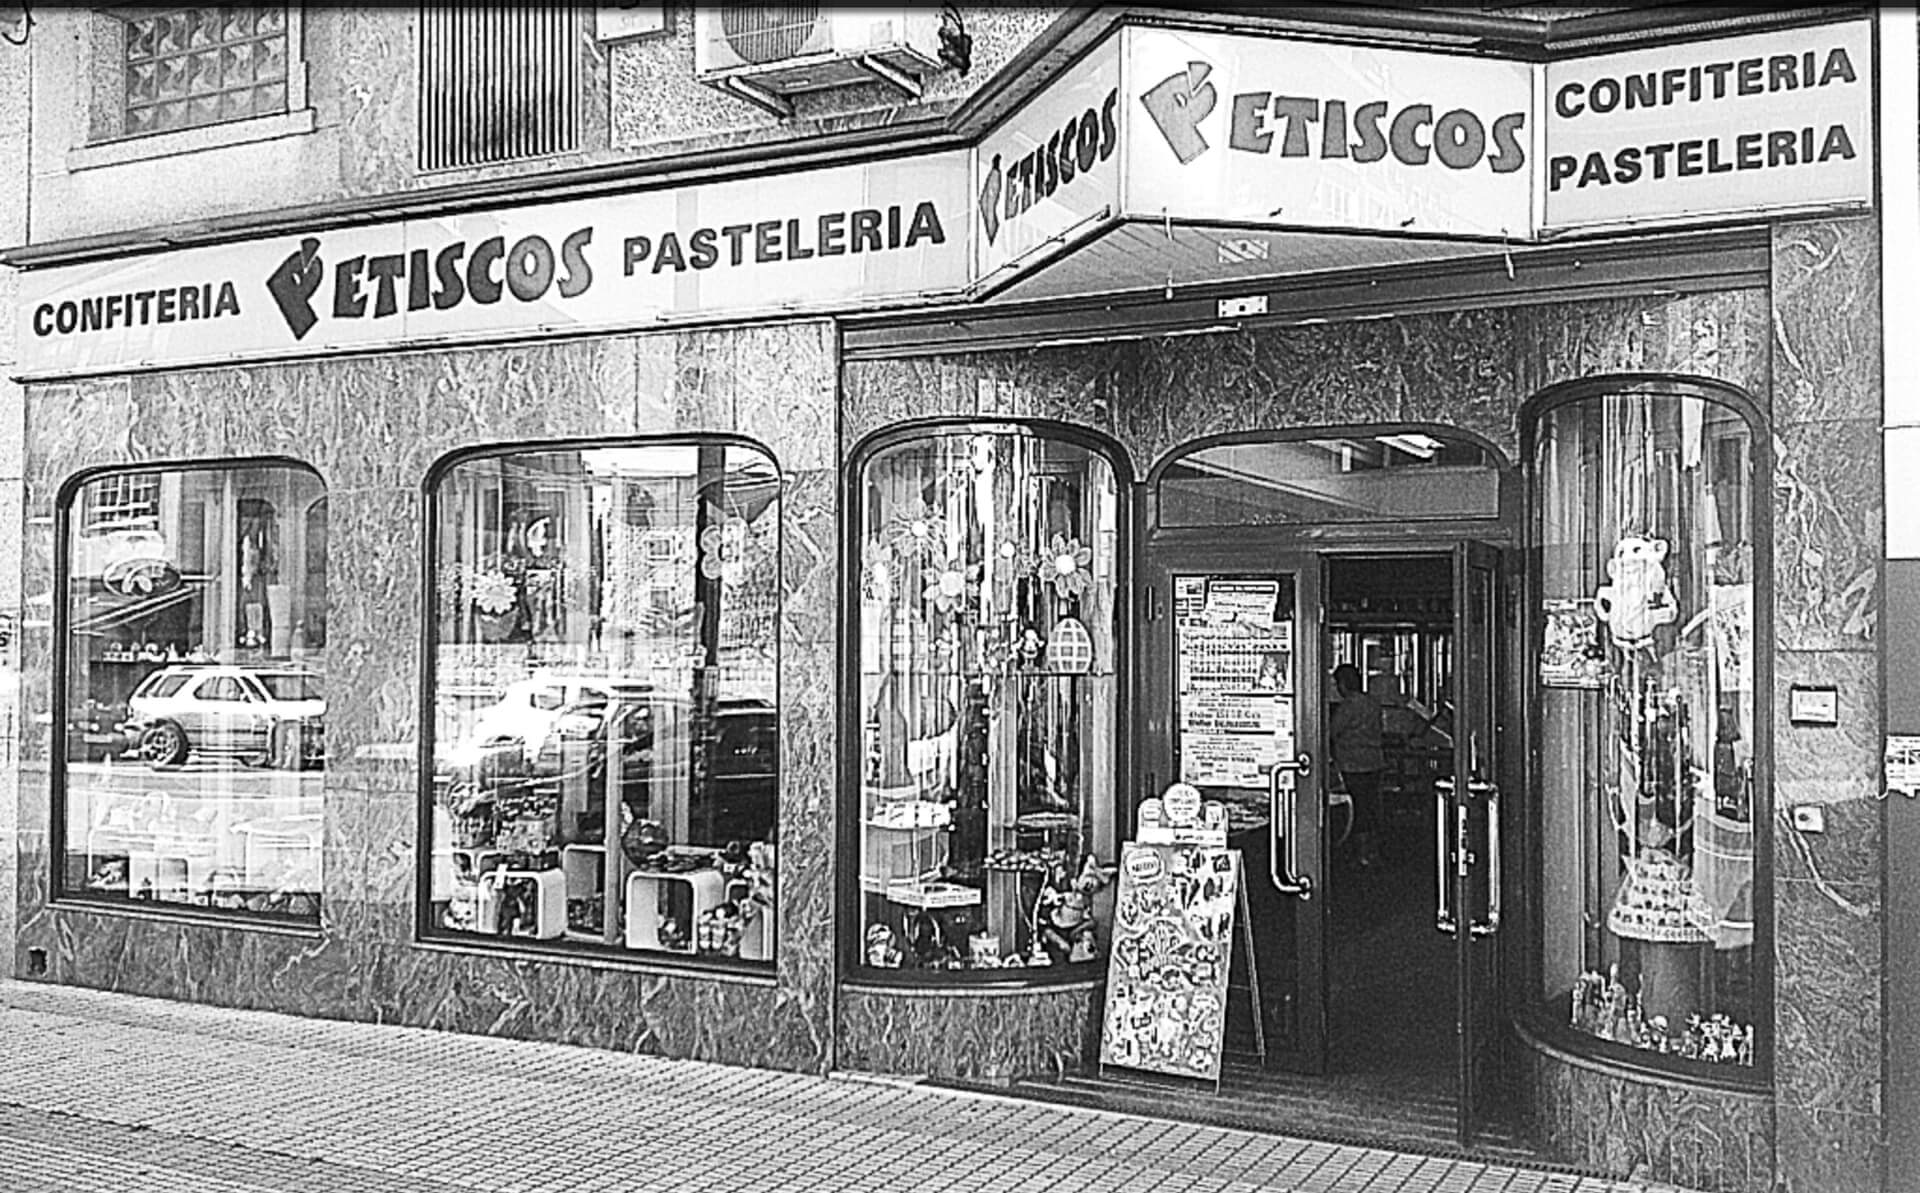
1639	599
1068	932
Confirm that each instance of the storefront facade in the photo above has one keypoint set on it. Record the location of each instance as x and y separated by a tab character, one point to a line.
886	531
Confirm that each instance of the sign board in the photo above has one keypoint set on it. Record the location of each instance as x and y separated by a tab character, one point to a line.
1314	135
826	239
1736	126
1053	167
1166	1006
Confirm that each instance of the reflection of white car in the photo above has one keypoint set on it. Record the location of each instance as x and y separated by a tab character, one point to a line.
262	714
523	716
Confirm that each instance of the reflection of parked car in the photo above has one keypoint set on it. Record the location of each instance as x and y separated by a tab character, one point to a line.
260	714
521	719
96	729
739	799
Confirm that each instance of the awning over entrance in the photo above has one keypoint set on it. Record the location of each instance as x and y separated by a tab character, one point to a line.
1176	158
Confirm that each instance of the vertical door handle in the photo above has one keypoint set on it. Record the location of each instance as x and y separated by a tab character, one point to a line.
1283	804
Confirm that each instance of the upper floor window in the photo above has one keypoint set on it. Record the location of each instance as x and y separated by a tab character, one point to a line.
191	694
605	739
185	67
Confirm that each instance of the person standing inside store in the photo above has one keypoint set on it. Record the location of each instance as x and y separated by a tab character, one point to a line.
1353	733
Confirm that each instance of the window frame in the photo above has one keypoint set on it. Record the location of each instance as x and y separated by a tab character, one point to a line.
854	969
1504	471
1533	1010
104	36
66	500
428	935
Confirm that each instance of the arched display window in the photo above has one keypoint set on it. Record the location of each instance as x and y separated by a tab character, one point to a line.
193	700
1650	545
988	559
603	719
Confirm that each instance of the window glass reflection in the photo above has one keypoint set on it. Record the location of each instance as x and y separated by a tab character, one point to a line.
195	704
605	737
1645	531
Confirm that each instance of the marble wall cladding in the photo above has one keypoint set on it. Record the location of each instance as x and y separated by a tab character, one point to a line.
1469	369
1696	1138
970	1036
1827	994
1828	545
372	426
658	106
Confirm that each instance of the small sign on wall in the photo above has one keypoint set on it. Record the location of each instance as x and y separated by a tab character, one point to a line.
1808	704
622	22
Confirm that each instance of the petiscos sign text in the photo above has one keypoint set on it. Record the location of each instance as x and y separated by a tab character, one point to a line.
830	239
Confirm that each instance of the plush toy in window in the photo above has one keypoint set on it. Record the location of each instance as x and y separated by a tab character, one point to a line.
1638	600
1064	923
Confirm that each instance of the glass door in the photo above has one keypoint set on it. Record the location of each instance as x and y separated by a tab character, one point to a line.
1468	849
1232	706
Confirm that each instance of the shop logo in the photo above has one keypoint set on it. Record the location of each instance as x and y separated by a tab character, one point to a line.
1178	103
294	284
1009	191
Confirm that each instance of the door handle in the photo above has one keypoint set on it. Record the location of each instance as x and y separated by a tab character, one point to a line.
1456	858
1283	802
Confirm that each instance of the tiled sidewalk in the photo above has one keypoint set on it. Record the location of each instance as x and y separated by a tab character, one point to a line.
112	1093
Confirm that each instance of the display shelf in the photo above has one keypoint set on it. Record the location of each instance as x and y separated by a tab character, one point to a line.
548	904
686	895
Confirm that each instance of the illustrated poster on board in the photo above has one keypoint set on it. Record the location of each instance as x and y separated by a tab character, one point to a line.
1166	1006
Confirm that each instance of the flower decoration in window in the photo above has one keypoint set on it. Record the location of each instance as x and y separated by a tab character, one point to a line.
723	551
954	585
492	592
1065	566
918	533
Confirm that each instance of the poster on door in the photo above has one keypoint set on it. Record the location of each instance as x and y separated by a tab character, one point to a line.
1166	1006
1234	650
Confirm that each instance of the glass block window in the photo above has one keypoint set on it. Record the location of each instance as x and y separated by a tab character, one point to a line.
189	67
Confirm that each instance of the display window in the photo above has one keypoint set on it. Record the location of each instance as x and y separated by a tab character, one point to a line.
988	561
605	726
190	693
1650	771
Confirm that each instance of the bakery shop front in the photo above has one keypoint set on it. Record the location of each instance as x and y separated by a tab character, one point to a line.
754	621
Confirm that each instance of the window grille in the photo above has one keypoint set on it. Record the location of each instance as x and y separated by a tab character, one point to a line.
189	67
497	84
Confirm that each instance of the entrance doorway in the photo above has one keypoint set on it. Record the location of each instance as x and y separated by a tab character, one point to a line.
1376	1000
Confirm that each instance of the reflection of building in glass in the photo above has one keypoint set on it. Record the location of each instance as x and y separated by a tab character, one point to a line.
196	608
605	735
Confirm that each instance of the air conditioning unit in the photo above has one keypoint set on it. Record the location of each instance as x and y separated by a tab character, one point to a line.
766	53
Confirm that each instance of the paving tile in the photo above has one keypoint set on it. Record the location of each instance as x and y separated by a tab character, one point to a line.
107	1092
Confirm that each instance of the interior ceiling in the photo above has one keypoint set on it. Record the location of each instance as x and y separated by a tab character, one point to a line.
1141	255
